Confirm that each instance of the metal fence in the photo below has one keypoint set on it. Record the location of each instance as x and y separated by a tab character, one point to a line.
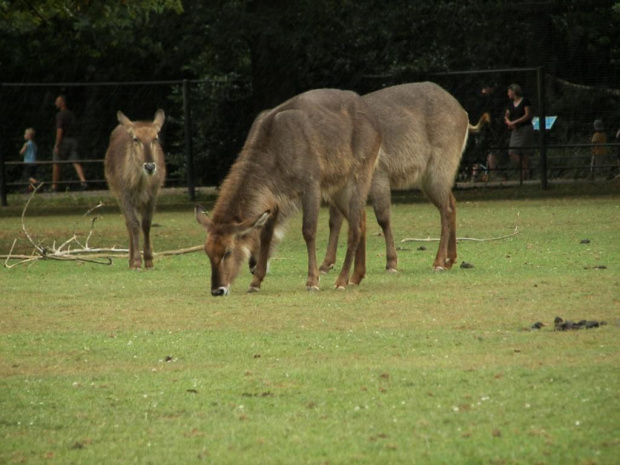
185	128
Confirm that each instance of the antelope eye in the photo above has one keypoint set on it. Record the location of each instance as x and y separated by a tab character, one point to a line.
135	139
227	254
156	140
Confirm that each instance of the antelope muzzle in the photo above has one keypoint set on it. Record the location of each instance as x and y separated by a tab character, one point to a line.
219	292
150	168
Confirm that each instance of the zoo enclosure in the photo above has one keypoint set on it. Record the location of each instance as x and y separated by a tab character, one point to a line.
211	118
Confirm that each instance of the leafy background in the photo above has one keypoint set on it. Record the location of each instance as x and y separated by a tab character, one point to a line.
254	54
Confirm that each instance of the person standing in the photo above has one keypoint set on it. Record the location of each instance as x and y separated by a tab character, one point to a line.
518	118
492	132
66	146
598	151
29	152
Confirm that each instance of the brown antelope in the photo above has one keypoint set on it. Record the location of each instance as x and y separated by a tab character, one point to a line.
323	143
135	171
424	134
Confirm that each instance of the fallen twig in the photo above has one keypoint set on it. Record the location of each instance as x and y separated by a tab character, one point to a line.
196	248
460	239
83	254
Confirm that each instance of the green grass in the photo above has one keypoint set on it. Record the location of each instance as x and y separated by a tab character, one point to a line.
103	365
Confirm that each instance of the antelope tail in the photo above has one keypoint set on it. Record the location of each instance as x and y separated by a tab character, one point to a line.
485	118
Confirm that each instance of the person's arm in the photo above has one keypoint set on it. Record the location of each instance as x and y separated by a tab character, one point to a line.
507	118
526	117
59	135
23	149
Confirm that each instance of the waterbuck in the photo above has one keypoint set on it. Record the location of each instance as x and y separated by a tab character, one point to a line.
320	144
135	171
424	134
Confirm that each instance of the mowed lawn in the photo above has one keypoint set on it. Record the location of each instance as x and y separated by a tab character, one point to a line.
104	365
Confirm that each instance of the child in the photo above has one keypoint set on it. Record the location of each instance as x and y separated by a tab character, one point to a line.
598	153
29	151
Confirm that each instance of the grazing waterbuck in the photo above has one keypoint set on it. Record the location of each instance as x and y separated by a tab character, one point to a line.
320	144
135	171
424	132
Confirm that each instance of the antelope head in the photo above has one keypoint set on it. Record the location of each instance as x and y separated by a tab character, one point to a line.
228	247
145	139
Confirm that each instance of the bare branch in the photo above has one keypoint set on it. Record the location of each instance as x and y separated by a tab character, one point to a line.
196	248
100	204
92	229
460	239
83	254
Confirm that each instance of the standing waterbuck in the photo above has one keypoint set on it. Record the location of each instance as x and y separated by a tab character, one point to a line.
135	171
320	144
424	134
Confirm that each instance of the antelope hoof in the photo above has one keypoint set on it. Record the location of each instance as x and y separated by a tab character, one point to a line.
312	288
253	289
324	269
439	269
356	280
391	270
340	288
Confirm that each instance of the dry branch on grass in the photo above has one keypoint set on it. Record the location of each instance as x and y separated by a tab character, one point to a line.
83	253
459	239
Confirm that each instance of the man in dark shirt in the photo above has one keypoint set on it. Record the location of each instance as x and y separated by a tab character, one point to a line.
66	146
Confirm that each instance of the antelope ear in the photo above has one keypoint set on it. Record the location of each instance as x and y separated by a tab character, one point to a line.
158	122
201	216
253	223
123	119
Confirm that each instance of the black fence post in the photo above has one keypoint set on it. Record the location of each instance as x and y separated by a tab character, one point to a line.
543	127
189	149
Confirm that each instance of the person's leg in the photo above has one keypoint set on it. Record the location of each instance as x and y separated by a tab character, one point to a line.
592	167
515	162
492	164
525	166
76	165
32	174
55	177
80	172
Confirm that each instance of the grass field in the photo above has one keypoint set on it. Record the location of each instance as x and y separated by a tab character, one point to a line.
103	365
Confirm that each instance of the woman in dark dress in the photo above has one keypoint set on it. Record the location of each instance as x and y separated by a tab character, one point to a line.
518	118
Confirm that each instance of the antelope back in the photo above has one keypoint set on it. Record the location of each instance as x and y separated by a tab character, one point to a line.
424	132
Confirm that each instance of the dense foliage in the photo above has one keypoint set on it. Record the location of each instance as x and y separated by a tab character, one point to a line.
253	54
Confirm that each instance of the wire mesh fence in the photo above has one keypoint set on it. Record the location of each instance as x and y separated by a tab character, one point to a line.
207	122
